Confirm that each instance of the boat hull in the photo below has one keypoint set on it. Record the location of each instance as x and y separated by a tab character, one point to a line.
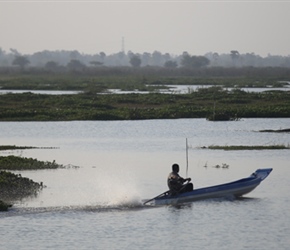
232	189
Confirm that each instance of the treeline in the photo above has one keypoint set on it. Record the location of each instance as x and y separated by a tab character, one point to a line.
59	60
181	75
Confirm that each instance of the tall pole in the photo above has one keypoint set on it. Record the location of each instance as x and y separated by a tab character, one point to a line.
186	158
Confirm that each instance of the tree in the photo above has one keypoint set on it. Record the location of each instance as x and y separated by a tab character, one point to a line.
170	64
146	57
74	55
194	61
96	63
215	58
157	58
235	56
20	61
14	52
103	56
2	52
51	65
135	61
75	65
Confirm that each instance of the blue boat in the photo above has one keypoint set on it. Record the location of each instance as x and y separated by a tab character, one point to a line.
233	189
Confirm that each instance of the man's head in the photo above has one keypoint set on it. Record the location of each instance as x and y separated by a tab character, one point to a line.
175	168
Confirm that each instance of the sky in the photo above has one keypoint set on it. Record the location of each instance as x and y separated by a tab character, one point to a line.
197	27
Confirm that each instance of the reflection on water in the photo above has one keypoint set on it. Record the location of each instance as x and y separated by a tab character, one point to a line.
122	162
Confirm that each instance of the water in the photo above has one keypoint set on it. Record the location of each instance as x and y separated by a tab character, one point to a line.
98	205
171	89
42	92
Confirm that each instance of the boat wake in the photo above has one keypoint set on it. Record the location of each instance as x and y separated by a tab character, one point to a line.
106	190
20	211
124	206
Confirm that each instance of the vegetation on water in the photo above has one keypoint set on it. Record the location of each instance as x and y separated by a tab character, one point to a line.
198	104
14	187
286	130
242	147
12	162
4	206
13	147
218	166
94	103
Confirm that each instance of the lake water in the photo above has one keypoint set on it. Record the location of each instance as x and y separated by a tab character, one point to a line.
171	89
41	92
98	205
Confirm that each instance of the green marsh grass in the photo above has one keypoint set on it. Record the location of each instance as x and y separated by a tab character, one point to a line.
198	104
12	162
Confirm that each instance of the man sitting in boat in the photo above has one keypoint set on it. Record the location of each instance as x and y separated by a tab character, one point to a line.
176	183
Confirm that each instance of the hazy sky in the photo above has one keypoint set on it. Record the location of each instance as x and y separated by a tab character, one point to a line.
197	27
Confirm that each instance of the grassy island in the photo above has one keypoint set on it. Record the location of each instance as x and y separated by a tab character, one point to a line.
198	104
4	206
13	186
13	147
244	147
219	98
22	163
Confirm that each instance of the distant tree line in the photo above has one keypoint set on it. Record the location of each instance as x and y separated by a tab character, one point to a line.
76	61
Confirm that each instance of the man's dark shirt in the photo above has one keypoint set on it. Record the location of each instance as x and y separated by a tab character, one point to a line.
175	182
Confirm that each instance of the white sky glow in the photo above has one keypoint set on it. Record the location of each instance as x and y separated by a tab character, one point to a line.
198	27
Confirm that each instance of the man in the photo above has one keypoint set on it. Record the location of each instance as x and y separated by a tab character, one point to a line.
176	183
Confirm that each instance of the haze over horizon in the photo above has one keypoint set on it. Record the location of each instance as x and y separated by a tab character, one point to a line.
90	27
